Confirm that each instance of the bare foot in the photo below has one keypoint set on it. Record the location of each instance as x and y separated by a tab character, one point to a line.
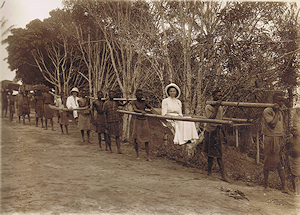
138	158
285	190
148	159
226	179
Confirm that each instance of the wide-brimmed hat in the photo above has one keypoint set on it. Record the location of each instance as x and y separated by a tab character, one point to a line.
175	86
75	89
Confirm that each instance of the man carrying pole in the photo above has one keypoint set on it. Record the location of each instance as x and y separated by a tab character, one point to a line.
273	129
212	143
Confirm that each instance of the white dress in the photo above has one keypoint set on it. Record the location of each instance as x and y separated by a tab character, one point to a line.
184	131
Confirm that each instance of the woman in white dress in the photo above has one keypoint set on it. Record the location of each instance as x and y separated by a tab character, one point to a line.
171	106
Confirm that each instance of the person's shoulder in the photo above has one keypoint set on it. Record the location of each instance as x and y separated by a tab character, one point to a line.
268	110
106	102
166	99
208	107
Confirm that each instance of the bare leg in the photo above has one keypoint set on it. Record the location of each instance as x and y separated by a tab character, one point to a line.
67	129
42	122
105	140
82	135
108	141
147	147
266	178
51	121
36	122
293	178
222	167
99	140
118	142
62	130
88	136
210	161
284	188
136	147
46	123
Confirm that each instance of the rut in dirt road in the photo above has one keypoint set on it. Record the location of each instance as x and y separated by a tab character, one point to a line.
46	172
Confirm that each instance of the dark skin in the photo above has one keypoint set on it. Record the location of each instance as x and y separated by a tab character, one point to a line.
21	93
24	115
51	120
139	96
217	97
294	152
61	126
111	95
279	101
12	101
84	95
37	119
100	102
4	100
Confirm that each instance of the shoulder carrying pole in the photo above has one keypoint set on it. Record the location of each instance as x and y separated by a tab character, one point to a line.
179	118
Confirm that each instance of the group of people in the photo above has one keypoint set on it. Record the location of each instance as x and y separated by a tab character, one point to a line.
104	115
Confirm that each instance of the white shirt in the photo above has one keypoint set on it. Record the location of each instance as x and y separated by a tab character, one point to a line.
73	102
171	105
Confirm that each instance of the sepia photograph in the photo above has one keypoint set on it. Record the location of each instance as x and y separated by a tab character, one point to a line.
142	107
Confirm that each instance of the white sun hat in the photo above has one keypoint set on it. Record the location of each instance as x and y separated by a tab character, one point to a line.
175	86
75	89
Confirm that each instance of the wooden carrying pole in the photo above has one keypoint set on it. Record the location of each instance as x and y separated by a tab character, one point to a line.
229	119
66	109
243	104
115	99
179	118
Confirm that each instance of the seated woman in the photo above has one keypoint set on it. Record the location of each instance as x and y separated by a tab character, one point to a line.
171	106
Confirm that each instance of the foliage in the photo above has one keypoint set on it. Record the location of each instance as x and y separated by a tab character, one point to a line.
247	49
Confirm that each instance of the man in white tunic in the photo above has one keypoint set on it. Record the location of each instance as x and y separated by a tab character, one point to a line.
72	102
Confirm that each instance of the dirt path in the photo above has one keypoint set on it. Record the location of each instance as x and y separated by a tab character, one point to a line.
44	172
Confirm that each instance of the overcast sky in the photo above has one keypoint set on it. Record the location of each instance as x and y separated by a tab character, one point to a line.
19	13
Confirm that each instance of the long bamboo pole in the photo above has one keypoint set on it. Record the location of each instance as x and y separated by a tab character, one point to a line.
179	118
115	99
66	109
229	119
243	104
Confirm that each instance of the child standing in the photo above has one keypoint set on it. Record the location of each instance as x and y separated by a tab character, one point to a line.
63	115
112	119
84	116
141	131
100	120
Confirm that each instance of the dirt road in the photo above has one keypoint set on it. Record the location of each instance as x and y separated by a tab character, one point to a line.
44	172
